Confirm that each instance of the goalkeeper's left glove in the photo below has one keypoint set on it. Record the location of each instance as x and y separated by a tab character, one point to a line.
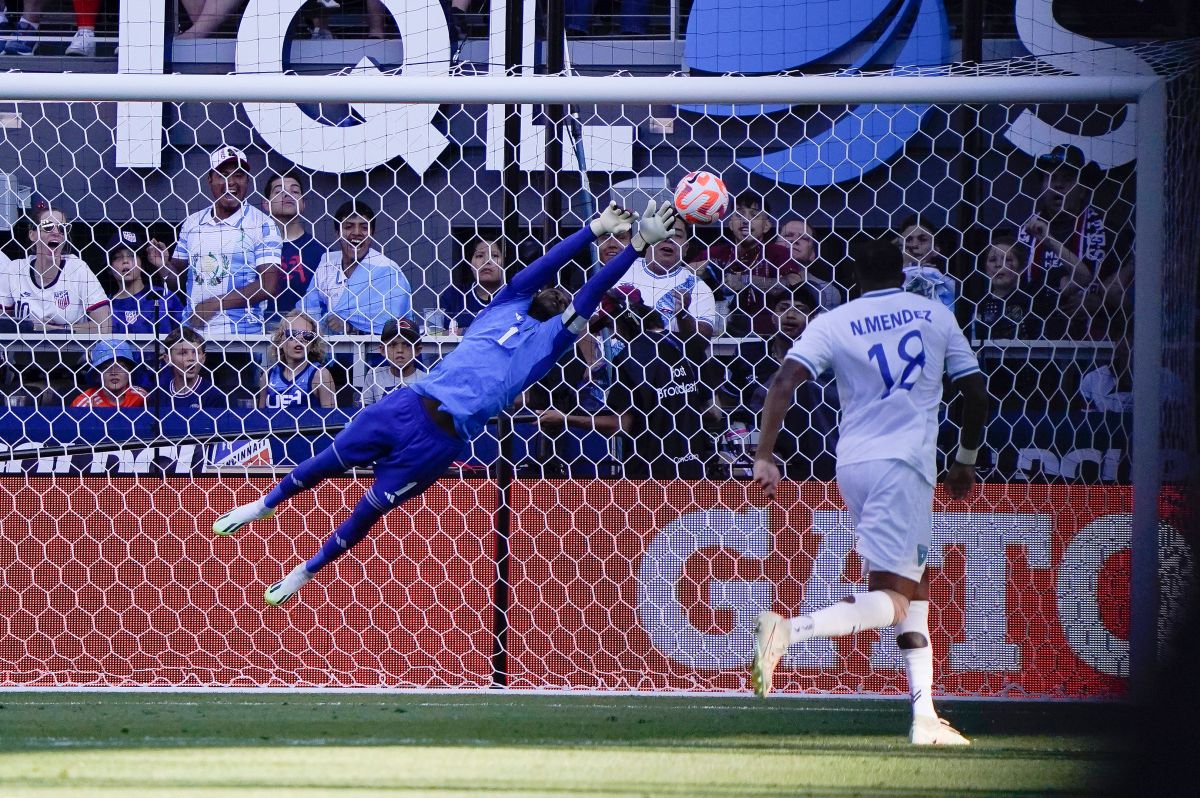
658	224
612	221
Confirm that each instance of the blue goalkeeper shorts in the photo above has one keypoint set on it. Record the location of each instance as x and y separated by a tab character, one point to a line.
409	451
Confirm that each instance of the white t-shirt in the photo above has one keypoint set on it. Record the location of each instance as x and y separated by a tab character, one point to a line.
1099	390
65	301
656	291
224	255
888	350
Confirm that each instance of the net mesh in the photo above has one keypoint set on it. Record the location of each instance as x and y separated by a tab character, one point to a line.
612	561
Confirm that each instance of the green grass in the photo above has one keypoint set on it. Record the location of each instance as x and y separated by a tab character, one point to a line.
352	744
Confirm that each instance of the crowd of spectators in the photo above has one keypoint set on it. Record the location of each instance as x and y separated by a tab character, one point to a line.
645	375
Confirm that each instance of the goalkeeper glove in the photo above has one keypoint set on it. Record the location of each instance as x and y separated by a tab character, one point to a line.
612	221
657	225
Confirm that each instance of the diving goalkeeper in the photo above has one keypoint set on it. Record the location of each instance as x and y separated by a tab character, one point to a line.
414	433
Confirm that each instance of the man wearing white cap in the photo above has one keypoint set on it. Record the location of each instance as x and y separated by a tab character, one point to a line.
229	252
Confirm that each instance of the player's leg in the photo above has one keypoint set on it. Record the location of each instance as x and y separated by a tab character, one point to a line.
884	499
912	636
357	445
419	453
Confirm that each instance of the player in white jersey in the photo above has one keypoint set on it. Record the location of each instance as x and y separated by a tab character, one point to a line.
670	286
230	253
50	287
888	350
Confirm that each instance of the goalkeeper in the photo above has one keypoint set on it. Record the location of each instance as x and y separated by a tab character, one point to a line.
414	433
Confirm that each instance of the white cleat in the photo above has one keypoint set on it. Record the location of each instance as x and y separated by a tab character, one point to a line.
934	731
238	517
83	43
285	588
772	634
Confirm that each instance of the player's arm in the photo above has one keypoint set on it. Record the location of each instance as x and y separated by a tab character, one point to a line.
775	407
960	477
657	224
529	280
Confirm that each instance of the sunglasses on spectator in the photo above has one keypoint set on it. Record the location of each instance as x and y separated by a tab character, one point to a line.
307	336
52	226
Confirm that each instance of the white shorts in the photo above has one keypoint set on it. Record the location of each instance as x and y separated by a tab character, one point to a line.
891	504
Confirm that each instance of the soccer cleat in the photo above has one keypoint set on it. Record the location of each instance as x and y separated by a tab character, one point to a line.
238	517
934	731
83	44
22	46
285	588
772	634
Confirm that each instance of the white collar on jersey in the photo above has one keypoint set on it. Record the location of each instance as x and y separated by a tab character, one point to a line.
233	220
883	291
655	274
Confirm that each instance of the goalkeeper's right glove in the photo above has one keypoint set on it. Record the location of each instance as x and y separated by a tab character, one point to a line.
657	225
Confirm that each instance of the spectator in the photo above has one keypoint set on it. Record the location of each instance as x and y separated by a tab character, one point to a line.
230	253
182	384
1006	311
113	360
26	43
206	16
797	236
475	281
401	344
807	442
685	303
300	253
1066	232
743	302
51	289
750	234
1109	388
356	289
925	268
633	19
138	308
295	378
658	397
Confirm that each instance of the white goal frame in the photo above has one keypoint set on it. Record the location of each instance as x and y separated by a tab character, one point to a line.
1147	93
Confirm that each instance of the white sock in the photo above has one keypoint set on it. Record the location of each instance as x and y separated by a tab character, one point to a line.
871	610
918	662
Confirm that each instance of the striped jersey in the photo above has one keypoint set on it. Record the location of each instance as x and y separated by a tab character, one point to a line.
224	255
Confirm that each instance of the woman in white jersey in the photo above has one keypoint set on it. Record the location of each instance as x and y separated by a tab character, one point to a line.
888	350
51	288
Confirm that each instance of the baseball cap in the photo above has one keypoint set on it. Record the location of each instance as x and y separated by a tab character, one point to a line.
225	154
1067	155
104	352
400	328
124	239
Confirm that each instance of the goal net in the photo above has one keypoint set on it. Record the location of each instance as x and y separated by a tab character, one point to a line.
558	552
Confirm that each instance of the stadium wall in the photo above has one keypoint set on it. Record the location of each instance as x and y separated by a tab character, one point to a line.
614	585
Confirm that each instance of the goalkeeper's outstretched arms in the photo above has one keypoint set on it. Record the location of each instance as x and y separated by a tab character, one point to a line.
657	224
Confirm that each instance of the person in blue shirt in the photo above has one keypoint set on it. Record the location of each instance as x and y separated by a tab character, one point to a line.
182	384
284	202
296	380
413	434
138	308
356	288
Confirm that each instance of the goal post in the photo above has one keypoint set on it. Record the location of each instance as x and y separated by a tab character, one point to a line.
575	541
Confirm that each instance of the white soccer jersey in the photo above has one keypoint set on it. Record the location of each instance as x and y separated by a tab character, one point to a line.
65	301
888	350
656	290
224	255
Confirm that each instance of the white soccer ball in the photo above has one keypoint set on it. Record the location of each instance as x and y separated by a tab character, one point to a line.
701	198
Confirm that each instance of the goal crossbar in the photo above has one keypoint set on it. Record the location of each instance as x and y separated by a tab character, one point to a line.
491	89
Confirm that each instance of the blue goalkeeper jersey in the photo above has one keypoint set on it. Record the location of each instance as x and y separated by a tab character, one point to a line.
505	351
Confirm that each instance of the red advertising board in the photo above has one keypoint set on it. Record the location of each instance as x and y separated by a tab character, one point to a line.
120	581
653	586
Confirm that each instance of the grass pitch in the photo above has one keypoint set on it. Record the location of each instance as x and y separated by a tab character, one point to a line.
132	745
